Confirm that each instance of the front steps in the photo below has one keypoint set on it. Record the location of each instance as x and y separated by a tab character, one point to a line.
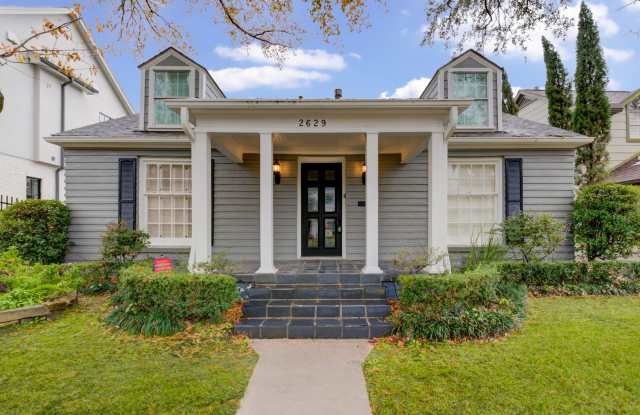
315	306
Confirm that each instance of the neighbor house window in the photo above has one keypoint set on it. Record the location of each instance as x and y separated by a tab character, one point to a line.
168	84
474	200
633	114
34	188
472	85
166	201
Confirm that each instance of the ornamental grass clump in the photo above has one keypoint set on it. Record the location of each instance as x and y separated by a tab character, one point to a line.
160	303
474	304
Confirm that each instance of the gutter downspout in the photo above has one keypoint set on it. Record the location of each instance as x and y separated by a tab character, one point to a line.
62	128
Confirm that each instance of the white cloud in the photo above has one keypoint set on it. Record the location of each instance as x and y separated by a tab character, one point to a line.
240	79
618	55
296	58
355	55
614	85
630	4
411	89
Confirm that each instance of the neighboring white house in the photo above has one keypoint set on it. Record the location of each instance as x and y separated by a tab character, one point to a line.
39	100
625	120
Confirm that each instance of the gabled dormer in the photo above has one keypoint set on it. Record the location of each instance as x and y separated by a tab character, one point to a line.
470	76
168	75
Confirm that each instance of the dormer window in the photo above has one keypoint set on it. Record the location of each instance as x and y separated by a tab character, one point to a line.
472	85
168	84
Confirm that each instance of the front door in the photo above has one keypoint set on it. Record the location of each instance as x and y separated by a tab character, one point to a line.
321	209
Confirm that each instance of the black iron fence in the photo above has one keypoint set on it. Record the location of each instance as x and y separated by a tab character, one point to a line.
6	201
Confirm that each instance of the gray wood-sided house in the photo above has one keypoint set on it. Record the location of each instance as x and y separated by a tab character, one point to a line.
271	181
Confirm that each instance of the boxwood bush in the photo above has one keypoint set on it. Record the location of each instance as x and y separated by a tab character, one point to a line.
159	303
575	278
474	304
39	229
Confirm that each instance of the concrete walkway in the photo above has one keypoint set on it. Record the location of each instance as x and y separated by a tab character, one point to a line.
308	377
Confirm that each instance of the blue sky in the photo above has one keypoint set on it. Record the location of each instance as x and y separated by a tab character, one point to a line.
383	60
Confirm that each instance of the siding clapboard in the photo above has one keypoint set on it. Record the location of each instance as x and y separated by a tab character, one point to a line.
92	196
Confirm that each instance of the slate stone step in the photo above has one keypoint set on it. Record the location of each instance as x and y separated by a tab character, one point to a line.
321	279
316	292
345	328
316	309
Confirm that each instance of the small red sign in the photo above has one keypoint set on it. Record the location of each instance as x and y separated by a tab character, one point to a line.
162	264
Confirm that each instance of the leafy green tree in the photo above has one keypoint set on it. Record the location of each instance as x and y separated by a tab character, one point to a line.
606	220
592	114
557	88
508	104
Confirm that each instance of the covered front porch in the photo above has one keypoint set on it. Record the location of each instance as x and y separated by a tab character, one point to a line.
296	140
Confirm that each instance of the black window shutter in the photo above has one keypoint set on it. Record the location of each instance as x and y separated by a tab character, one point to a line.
127	191
213	169
512	186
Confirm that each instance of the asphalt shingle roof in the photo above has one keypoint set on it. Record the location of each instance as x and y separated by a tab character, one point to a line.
615	97
128	127
627	172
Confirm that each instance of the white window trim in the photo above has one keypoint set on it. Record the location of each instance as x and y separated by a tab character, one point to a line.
630	138
321	159
498	162
490	98
142	204
152	94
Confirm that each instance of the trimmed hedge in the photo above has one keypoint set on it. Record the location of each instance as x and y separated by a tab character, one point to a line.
39	229
575	278
159	303
475	304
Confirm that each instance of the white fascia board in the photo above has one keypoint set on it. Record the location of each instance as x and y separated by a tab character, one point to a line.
34	10
517	142
119	142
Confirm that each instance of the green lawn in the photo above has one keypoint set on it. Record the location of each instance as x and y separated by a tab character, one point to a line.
573	355
76	365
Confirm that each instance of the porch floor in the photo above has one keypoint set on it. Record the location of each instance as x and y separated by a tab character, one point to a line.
315	267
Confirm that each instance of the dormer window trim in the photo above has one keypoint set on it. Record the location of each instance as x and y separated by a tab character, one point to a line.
491	124
152	96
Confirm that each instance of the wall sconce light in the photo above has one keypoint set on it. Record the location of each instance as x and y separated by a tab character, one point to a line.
276	172
364	174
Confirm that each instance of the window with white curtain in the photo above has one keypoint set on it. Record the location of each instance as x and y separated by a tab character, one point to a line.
166	201
472	85
168	84
474	199
633	111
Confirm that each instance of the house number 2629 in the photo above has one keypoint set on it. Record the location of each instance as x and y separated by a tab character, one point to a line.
311	123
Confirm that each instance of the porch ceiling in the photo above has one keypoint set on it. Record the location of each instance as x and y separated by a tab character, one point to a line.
235	146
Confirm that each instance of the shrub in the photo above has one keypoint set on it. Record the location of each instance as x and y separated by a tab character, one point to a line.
485	252
34	284
414	260
606	220
39	229
121	245
97	277
219	264
532	237
575	278
159	303
476	304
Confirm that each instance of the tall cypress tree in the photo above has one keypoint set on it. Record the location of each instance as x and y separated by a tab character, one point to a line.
557	88
508	104
592	114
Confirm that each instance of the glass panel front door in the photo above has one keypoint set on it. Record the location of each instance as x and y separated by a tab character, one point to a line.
321	188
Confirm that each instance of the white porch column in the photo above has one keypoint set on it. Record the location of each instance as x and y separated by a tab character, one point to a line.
200	200
266	205
371	202
437	207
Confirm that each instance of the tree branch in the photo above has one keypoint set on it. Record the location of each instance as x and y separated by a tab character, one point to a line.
23	44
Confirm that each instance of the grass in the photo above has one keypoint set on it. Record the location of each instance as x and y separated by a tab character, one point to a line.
574	355
77	365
